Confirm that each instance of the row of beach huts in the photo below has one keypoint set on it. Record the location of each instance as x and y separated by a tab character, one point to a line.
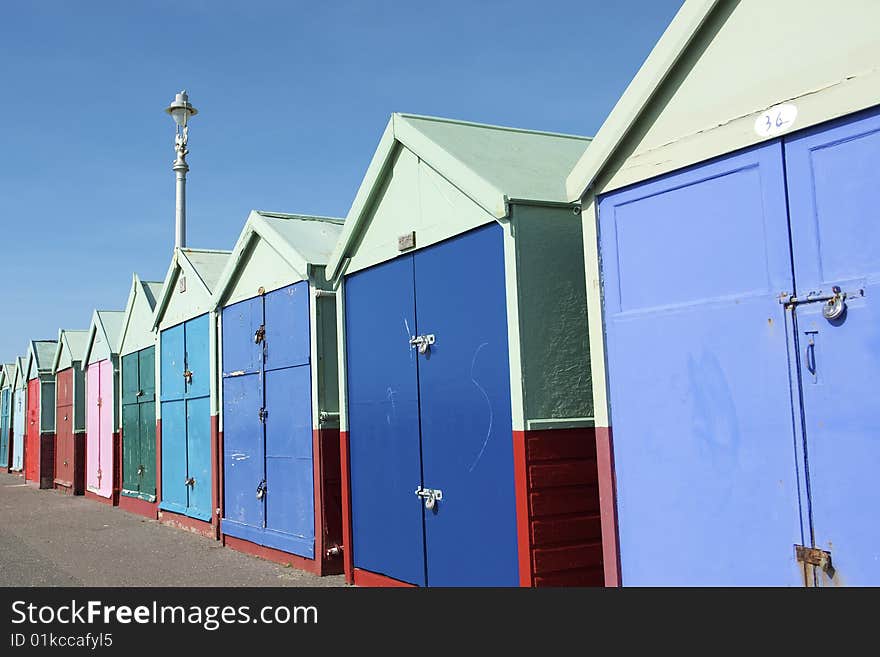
526	358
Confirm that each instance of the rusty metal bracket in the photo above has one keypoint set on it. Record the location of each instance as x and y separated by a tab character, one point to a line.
814	557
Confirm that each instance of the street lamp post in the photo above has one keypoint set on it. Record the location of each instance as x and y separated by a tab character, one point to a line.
181	110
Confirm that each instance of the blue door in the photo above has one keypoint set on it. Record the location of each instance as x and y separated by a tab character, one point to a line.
243	438
186	419
175	494
4	426
383	418
18	413
268	462
706	460
833	173
290	494
466	425
175	491
439	420
198	461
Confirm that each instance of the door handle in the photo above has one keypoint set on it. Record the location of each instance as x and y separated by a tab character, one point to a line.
810	356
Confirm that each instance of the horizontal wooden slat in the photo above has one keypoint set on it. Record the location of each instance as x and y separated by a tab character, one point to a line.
565	473
561	444
549	560
589	577
555	501
577	529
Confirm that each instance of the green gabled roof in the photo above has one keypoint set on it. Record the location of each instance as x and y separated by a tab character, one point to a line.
206	264
7	374
300	239
72	340
150	290
42	353
490	164
109	323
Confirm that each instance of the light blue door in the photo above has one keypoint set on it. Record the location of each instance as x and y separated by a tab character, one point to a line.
467	430
174	475
18	413
383	416
5	401
706	461
198	416
198	445
833	174
175	491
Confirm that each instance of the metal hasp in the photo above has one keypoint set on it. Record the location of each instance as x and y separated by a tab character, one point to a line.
430	495
261	489
260	334
189	481
814	557
834	306
181	110
422	342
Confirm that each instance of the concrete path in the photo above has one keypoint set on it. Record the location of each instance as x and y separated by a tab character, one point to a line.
50	539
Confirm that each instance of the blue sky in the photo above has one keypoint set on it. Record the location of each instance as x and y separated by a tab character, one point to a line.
292	99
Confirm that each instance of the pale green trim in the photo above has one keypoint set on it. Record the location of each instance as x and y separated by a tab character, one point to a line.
561	423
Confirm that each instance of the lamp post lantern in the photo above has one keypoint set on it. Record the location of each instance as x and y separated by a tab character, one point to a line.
181	110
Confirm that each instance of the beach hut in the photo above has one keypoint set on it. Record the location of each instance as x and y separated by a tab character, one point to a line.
187	429
281	495
18	409
137	353
467	448
7	373
100	362
70	420
39	451
732	257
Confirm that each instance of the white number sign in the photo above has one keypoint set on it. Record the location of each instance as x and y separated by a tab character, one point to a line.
776	120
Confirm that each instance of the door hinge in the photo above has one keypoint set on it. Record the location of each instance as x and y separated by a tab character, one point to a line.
263	415
814	557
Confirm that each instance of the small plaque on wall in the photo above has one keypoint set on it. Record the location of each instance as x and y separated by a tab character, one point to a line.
407	241
181	284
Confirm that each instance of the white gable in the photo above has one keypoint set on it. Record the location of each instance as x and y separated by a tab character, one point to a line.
414	198
824	58
262	267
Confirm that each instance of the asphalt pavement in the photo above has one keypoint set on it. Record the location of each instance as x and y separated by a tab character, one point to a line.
51	539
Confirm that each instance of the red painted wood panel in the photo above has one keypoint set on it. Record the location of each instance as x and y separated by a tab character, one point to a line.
564	500
64	463
348	562
563	527
32	432
608	505
328	500
366	578
568	557
576	529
